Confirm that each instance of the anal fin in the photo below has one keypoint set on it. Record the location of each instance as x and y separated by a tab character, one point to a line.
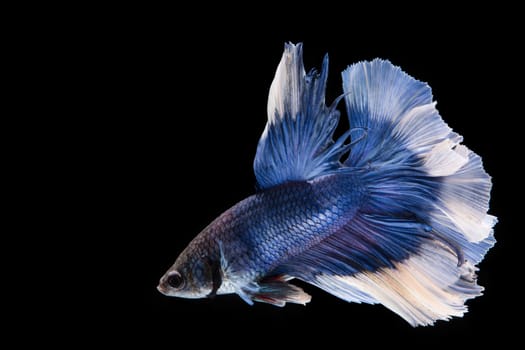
397	262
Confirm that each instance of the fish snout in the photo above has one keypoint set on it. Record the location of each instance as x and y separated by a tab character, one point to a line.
162	288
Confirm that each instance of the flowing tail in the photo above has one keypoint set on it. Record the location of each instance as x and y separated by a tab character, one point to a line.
418	173
414	245
406	131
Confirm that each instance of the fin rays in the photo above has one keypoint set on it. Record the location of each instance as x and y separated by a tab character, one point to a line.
414	244
297	141
427	287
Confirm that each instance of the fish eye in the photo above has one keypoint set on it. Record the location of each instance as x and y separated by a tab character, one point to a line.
175	280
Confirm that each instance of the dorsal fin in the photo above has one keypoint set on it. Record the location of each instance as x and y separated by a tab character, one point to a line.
297	143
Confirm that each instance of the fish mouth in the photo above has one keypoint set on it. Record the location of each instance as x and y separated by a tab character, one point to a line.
161	288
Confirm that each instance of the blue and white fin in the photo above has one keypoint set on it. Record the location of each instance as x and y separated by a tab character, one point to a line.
399	263
426	287
297	141
414	245
406	131
382	99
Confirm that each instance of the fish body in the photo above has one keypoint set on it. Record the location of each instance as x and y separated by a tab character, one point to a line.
402	221
267	229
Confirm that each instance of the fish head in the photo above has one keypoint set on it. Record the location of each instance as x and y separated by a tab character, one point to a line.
187	278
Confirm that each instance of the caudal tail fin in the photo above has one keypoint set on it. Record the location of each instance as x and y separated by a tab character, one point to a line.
419	172
447	182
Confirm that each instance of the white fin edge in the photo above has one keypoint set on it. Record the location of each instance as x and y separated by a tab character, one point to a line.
424	288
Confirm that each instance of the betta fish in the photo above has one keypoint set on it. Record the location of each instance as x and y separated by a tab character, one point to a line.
393	211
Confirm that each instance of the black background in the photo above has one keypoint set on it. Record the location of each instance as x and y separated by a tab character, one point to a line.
179	110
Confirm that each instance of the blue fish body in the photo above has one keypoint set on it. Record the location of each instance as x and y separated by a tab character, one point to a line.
265	230
402	221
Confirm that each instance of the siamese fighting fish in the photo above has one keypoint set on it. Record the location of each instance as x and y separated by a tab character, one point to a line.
392	211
